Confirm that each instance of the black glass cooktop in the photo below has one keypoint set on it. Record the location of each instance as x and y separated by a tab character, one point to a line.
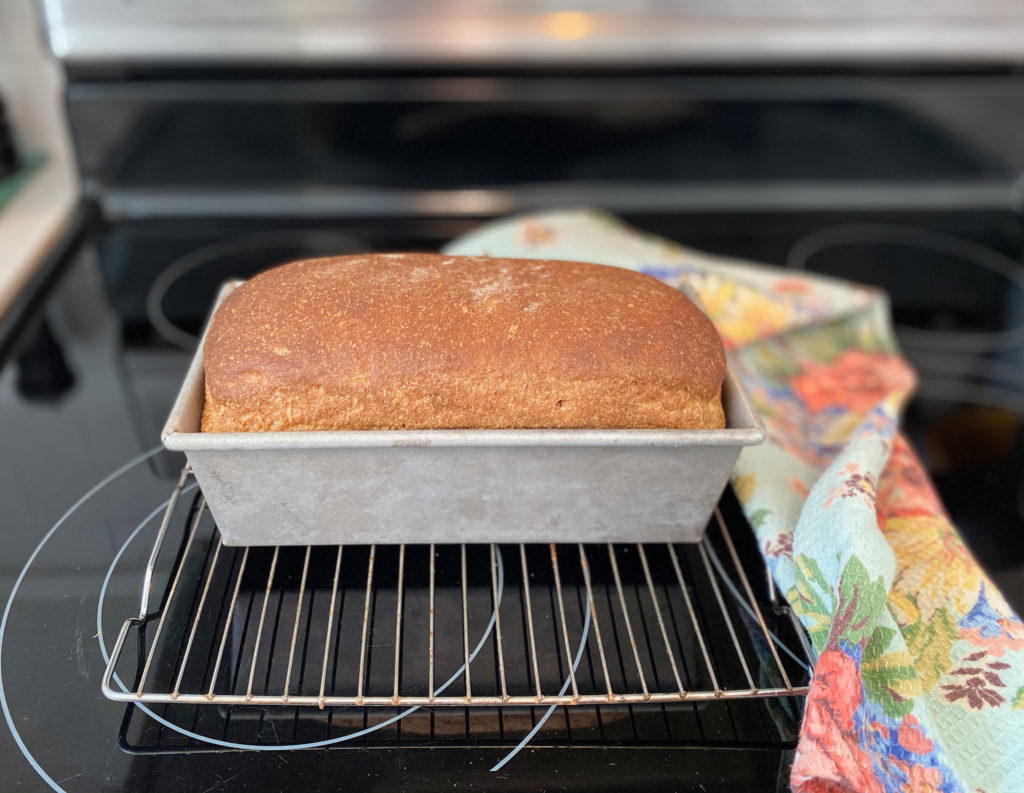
82	485
95	374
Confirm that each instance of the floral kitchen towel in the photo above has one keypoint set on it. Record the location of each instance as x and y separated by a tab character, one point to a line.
919	679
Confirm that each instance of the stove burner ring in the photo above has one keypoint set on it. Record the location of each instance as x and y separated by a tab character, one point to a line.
263	747
972	253
360	733
14	592
311	240
8	717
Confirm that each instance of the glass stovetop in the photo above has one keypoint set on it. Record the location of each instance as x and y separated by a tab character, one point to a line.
89	394
87	398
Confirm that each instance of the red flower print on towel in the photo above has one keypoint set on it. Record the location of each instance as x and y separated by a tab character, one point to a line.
799	286
911	738
991	626
830	758
923	779
535	234
904	488
856	380
1006	634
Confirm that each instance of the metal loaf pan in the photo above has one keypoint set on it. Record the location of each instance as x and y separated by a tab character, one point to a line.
412	486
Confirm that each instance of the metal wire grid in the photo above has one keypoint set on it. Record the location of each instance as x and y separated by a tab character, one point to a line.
456	625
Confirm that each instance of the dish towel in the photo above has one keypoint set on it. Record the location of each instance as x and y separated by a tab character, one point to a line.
918	683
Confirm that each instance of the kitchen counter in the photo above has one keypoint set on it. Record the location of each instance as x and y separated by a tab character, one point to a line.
32	221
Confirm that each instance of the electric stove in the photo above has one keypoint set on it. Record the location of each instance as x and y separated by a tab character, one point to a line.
196	173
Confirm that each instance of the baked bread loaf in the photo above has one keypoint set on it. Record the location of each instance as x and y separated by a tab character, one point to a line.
426	341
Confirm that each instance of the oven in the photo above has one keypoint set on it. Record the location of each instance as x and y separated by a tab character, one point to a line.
213	142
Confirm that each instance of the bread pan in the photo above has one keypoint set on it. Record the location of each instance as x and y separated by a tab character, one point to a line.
416	486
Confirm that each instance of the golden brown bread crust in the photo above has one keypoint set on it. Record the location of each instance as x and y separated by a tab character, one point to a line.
426	341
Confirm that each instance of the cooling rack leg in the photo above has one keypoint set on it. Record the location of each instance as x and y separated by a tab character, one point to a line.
147	577
108	690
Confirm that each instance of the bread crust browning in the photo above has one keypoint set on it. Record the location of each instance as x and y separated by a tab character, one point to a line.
427	341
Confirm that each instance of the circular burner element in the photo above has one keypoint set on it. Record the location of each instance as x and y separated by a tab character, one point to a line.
198	273
942	287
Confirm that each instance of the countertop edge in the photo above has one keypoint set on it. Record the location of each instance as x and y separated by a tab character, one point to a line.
32	222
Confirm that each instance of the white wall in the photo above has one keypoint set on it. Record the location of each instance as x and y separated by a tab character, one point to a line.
30	80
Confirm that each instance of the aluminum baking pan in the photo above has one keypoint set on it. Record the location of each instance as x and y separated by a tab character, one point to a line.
522	485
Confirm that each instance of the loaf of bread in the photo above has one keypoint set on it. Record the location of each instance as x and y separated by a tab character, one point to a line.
426	341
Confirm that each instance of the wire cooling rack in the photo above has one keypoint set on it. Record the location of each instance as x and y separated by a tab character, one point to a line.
473	626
